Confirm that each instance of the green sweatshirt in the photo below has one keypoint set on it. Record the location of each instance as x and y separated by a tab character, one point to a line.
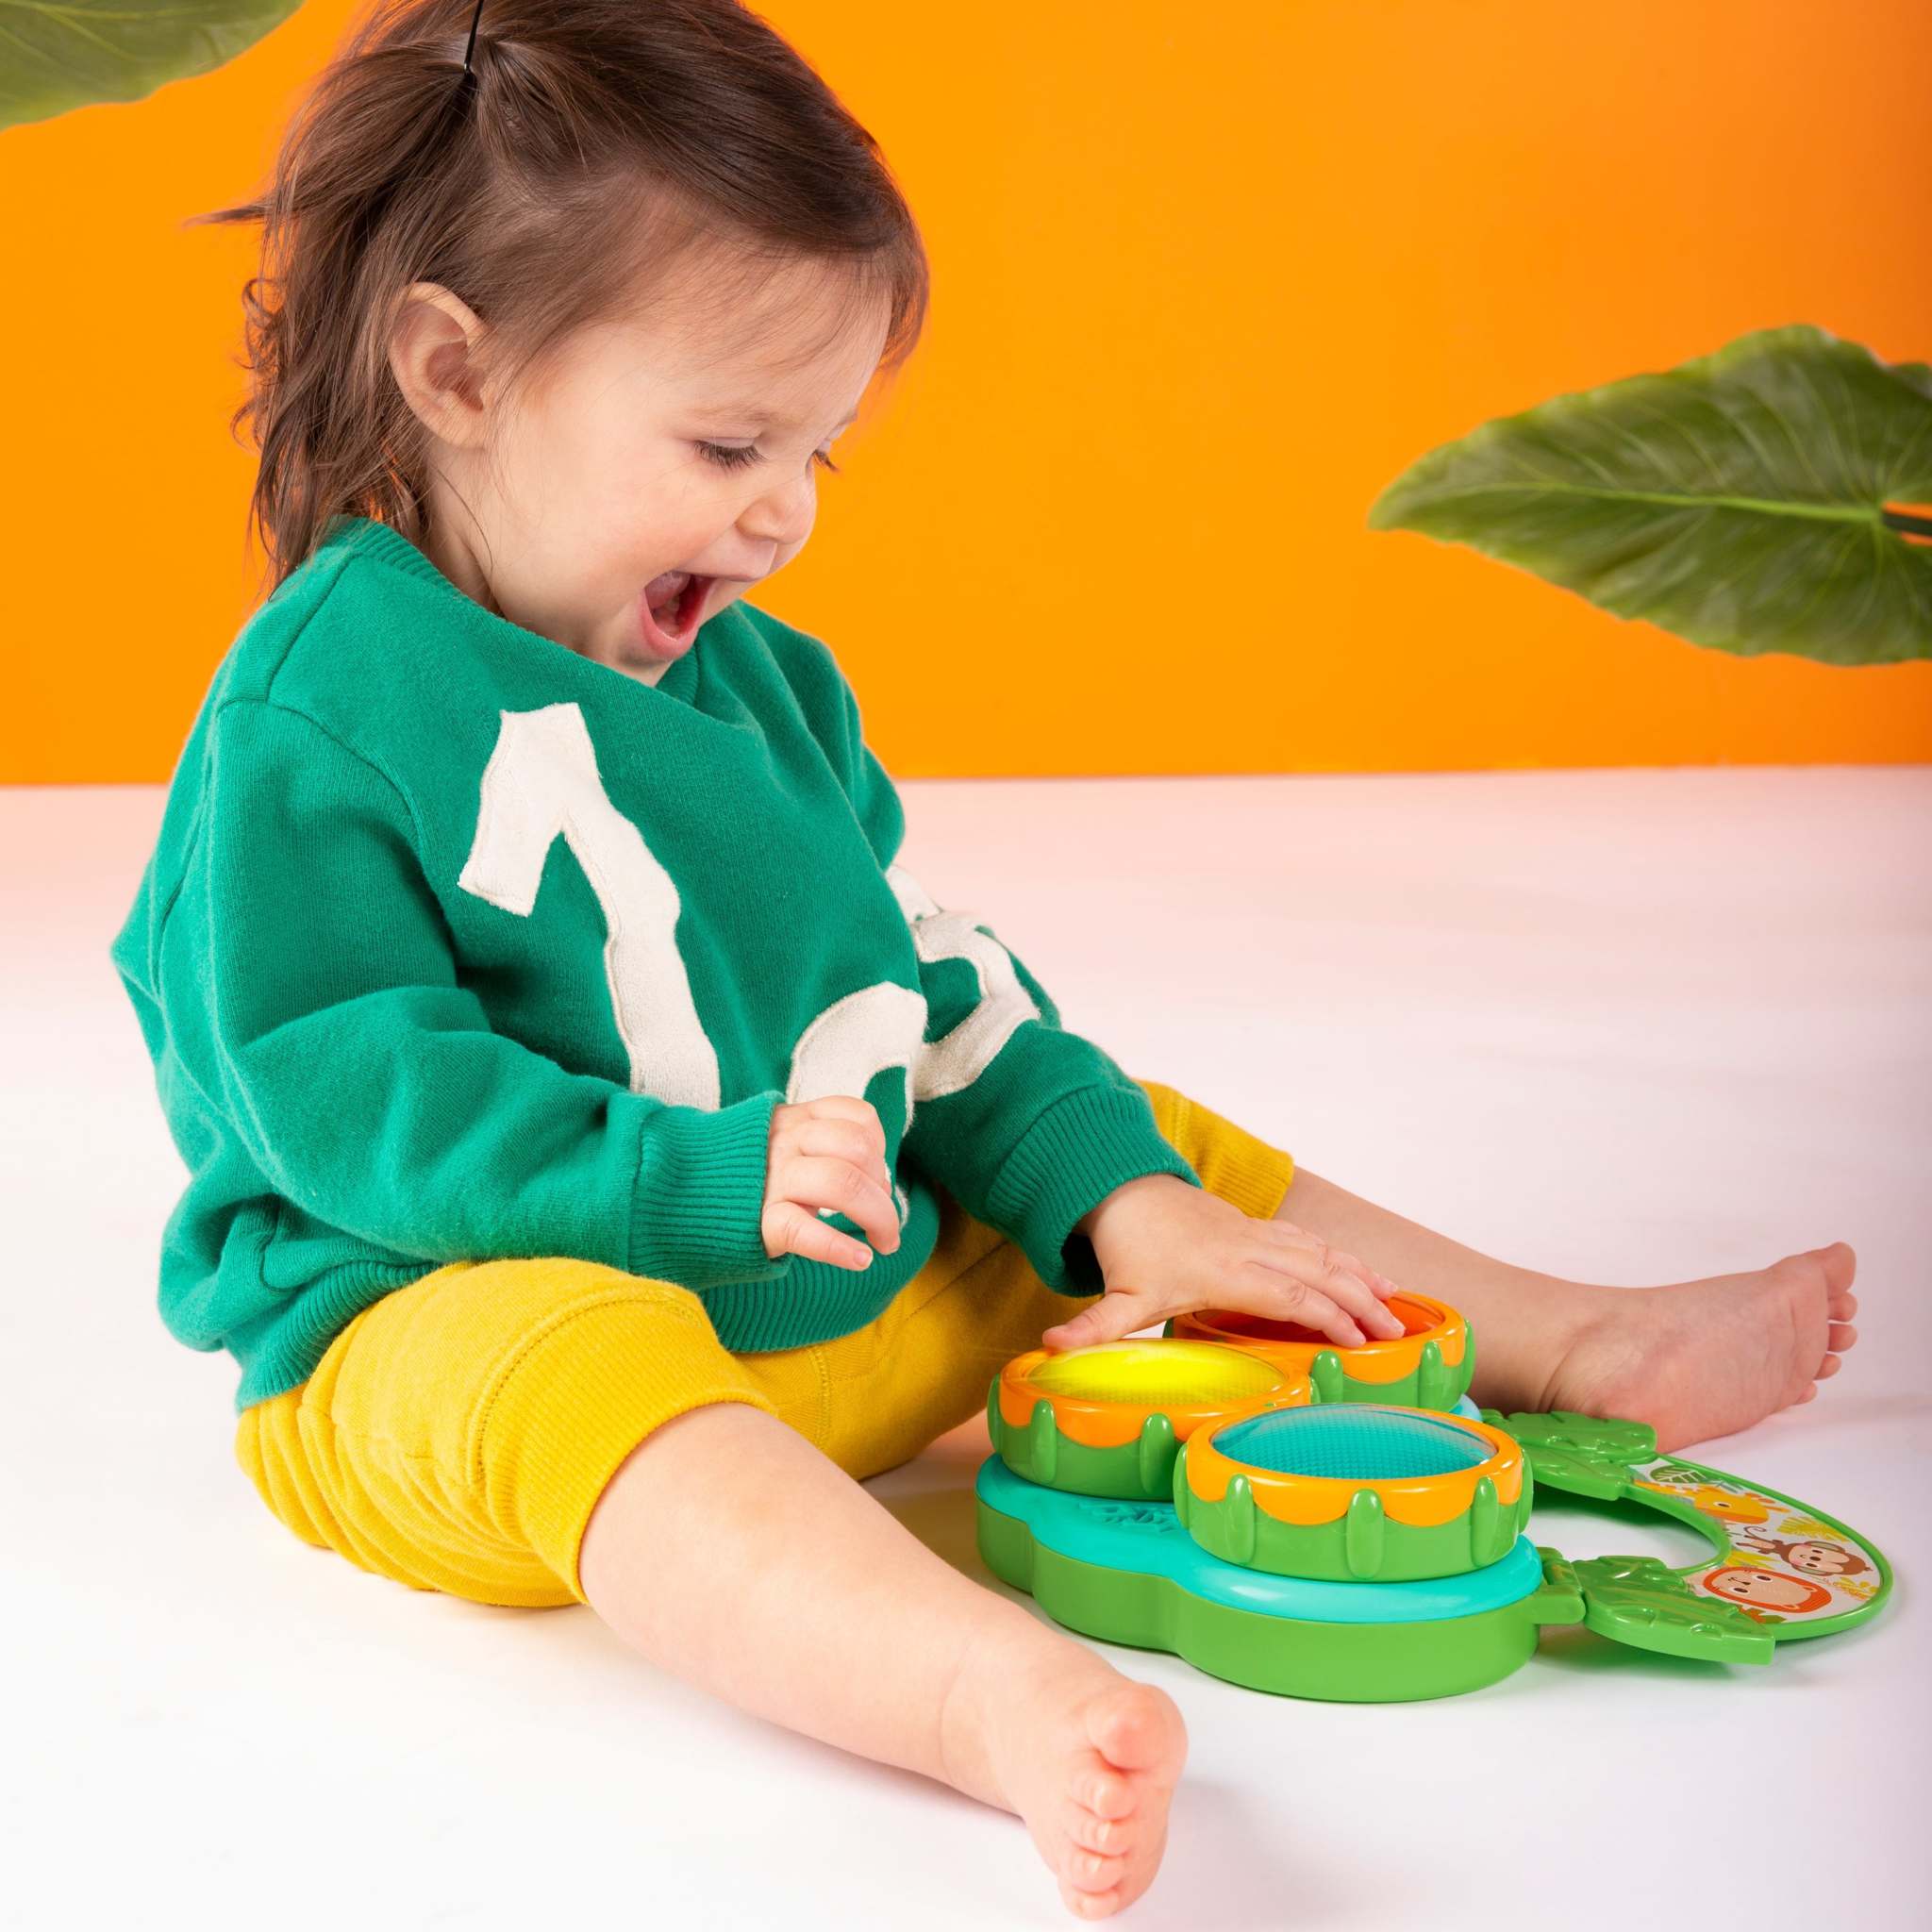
455	945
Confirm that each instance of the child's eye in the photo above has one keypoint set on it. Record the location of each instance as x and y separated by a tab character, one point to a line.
727	458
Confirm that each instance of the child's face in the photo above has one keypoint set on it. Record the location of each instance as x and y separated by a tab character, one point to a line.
628	460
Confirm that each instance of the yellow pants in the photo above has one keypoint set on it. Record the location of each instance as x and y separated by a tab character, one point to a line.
458	1433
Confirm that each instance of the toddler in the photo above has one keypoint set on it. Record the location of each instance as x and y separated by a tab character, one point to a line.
602	1149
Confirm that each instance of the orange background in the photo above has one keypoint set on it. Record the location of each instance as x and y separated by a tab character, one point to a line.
1205	280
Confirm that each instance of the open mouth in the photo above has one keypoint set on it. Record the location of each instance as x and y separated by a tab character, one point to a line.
671	609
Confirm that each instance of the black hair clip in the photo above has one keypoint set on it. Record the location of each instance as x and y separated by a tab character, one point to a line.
471	48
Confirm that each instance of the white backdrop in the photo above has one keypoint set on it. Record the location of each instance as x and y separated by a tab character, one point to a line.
1633	1026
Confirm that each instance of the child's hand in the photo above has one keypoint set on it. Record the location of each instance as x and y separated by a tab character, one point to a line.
827	1153
1166	1248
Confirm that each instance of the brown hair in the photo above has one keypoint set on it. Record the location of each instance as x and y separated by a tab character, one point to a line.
605	156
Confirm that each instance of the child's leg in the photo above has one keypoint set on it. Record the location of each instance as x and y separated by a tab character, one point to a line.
730	1551
741	1555
1695	1359
548	1431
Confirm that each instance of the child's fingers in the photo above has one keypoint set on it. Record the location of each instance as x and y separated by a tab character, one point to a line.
827	1181
797	1229
1363	1308
1340	1278
1117	1313
817	1149
1310	1309
1295	1290
1289	1235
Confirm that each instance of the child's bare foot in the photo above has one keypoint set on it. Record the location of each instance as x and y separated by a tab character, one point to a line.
1703	1358
1089	1759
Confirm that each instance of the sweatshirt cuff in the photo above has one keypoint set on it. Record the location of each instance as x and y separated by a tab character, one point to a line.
1070	1159
700	1196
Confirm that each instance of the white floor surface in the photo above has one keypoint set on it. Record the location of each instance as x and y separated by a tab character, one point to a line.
1632	1026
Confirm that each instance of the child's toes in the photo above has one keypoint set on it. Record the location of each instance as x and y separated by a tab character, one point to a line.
1107	1836
1840	1337
1829	1366
1103	1792
1841	1263
1140	1727
1093	1870
1112	1823
1089	1904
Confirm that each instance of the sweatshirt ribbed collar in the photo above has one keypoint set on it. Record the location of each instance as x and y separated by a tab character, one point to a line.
387	546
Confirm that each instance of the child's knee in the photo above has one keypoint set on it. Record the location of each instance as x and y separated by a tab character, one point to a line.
458	1431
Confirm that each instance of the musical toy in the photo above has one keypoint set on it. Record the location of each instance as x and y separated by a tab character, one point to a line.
1344	1523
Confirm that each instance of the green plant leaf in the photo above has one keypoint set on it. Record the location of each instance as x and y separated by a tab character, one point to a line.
60	54
1738	500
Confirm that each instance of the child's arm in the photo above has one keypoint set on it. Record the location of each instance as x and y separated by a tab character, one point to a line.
1034	1125
306	973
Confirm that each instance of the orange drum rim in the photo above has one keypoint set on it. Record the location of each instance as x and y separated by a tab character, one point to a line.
1379	1360
1108	1422
1419	1502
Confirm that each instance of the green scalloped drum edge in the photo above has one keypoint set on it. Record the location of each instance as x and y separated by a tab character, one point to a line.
1137	1471
1362	1545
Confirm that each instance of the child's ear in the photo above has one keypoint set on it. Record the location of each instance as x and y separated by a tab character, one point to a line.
436	354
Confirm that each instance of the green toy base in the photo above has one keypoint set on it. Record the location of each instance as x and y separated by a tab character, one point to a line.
1339	1663
1784	1570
